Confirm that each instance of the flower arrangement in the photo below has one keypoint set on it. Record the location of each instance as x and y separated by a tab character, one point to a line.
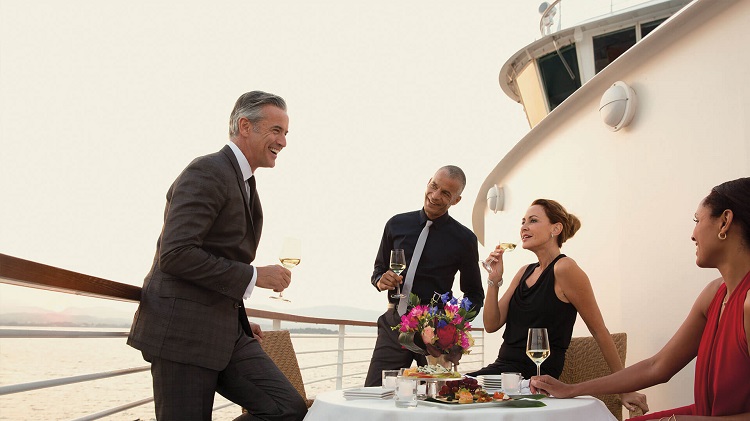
440	329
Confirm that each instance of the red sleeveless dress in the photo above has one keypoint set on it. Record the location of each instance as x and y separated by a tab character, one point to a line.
722	370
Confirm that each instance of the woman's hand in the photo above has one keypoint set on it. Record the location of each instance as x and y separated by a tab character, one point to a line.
550	386
496	263
634	400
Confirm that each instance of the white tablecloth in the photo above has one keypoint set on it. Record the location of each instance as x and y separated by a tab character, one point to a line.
334	407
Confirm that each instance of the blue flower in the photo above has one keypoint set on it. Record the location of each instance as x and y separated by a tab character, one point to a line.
466	304
445	297
441	323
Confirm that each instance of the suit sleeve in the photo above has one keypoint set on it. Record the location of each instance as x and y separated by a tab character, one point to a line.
196	200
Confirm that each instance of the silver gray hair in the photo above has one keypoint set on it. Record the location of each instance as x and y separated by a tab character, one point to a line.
250	106
457	174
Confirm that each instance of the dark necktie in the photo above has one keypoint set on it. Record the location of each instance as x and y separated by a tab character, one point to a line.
256	211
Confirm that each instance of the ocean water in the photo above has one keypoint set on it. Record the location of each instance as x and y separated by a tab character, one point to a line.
29	360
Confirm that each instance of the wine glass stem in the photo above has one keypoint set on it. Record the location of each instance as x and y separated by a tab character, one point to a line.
538	373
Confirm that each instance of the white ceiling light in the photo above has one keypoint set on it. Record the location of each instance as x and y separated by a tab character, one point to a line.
617	106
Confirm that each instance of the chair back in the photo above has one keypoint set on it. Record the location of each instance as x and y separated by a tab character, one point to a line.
584	361
278	345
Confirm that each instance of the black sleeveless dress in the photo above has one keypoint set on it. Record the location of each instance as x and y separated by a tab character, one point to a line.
536	306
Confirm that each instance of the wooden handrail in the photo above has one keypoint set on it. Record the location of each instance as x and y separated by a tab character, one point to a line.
26	273
263	314
16	271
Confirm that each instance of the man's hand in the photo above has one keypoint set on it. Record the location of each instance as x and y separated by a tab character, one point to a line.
275	277
389	281
257	332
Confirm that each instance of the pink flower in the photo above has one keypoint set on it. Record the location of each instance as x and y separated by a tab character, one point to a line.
408	323
466	341
428	335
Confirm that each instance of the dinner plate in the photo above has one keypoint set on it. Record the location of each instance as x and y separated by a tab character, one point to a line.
454	405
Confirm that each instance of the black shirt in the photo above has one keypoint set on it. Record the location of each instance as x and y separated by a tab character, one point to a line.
450	248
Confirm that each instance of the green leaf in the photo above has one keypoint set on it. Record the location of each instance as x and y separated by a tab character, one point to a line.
413	299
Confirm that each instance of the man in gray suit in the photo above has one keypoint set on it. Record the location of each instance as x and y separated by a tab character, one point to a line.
191	323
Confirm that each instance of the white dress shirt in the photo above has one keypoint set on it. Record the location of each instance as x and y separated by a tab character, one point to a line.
246	174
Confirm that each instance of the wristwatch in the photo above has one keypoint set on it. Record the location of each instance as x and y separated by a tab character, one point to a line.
491	283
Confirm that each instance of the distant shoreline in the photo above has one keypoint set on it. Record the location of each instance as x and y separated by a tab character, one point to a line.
321	331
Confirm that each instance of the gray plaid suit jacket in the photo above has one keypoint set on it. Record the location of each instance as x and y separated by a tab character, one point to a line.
191	302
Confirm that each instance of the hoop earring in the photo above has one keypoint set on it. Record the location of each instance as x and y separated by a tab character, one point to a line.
722	236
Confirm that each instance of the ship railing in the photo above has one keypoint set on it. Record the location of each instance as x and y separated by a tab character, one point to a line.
29	274
554	17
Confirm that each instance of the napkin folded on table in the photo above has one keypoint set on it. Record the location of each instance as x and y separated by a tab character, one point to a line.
525	390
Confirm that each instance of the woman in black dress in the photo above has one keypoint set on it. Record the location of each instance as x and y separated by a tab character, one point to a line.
550	294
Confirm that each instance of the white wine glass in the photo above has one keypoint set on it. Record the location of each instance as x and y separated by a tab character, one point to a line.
487	263
537	347
398	264
290	256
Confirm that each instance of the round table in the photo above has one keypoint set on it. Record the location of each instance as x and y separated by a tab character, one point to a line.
333	406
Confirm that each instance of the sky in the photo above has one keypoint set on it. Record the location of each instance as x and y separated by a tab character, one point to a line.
102	104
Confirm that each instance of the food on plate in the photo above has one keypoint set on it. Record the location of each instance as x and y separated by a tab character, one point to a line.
467	390
451	387
499	396
431	372
464	396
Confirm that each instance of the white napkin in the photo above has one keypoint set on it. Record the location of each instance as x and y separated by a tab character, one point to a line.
525	390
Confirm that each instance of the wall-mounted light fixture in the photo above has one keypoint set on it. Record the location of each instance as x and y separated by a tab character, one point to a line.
617	106
495	198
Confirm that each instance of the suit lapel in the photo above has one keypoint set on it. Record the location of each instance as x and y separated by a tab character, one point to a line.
255	216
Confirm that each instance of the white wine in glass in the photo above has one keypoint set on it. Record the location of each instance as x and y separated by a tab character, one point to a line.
398	264
487	263
537	347
290	256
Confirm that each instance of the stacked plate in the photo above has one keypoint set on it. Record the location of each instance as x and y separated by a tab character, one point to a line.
369	393
490	382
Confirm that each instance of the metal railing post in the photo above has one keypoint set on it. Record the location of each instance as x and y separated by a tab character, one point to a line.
340	359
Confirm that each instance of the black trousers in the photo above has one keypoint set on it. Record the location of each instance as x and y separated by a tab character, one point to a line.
388	353
184	392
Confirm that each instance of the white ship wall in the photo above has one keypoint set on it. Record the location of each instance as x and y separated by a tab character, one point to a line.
636	190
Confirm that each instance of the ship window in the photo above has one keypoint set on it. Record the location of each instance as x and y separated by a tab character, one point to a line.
646	28
531	94
609	46
557	81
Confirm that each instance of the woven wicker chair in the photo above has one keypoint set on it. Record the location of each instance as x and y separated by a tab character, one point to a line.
278	345
584	361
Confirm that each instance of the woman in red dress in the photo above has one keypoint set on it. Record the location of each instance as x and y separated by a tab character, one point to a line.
716	331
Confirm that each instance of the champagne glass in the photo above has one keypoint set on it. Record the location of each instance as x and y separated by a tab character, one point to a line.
537	346
398	264
290	256
487	263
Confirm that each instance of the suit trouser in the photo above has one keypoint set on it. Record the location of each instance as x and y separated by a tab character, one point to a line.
388	353
184	392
